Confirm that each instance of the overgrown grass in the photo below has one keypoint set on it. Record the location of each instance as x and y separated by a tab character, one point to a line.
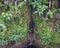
45	32
16	25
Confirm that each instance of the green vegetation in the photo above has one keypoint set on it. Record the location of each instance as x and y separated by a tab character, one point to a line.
42	9
15	19
43	30
39	6
13	23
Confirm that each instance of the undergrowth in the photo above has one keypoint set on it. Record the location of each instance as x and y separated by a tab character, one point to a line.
46	34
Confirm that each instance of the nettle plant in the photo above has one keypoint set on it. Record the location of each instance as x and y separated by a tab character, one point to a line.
40	6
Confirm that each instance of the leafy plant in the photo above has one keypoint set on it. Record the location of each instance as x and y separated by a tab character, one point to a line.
39	6
15	26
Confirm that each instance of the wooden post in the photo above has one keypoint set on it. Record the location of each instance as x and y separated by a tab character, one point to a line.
15	3
49	1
